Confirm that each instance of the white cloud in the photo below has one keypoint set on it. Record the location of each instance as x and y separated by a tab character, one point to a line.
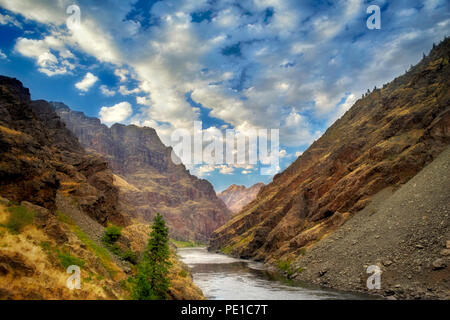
143	101
117	113
224	169
50	54
42	11
125	92
2	55
88	81
204	170
298	154
106	91
122	74
8	20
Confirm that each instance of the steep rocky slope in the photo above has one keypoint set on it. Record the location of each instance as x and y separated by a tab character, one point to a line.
236	197
384	140
148	180
40	156
406	233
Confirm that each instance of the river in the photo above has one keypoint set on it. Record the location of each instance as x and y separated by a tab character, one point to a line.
225	278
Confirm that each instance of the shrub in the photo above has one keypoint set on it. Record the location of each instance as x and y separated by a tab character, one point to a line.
19	218
130	256
183	273
286	267
112	234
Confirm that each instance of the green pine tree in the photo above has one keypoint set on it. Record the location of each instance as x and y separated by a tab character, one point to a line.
152	281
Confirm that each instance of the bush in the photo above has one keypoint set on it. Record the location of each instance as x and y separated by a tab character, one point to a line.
19	218
130	256
183	273
286	267
112	234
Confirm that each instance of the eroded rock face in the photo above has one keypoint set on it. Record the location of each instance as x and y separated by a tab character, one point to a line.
148	180
237	197
39	156
383	140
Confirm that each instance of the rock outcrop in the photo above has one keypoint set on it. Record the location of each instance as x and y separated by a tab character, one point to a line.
237	197
39	156
383	141
148	180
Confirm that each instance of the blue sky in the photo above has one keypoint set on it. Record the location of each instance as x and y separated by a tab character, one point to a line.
292	65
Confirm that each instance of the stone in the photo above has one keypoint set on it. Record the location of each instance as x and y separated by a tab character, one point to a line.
55	231
322	273
445	252
387	263
439	264
14	263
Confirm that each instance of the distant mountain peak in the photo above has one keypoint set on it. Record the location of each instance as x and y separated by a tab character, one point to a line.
238	196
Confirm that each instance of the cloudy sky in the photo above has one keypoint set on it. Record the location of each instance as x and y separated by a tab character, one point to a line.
292	65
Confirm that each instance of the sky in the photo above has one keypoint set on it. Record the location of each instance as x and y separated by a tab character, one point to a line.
291	65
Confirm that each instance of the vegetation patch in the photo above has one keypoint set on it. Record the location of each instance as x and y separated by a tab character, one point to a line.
183	273
112	234
286	267
110	238
226	250
101	253
19	218
67	260
64	257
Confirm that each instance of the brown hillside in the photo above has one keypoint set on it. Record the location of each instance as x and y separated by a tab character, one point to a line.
384	140
39	156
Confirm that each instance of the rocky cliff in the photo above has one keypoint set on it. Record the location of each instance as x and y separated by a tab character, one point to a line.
39	156
236	197
383	141
148	180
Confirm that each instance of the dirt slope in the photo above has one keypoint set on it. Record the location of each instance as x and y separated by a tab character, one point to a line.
405	232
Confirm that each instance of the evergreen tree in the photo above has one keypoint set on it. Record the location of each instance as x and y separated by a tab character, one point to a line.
152	281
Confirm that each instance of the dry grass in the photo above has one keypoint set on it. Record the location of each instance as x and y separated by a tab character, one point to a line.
49	277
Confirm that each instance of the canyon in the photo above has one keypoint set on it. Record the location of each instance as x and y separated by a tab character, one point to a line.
379	144
147	179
